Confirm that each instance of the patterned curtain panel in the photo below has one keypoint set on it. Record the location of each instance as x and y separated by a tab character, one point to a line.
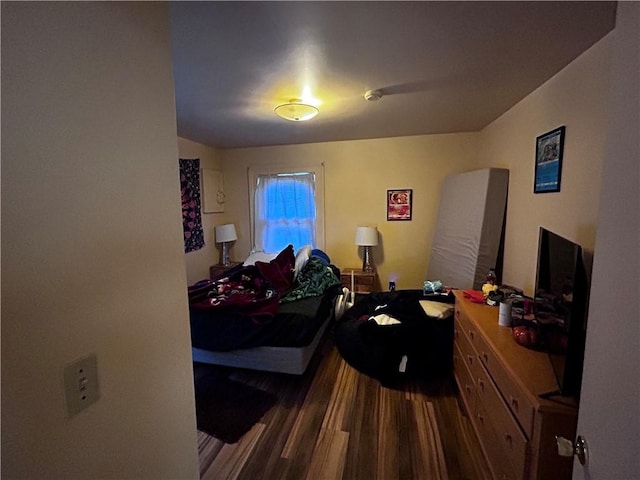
191	216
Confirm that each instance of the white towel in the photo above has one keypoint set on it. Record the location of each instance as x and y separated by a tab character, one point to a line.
384	319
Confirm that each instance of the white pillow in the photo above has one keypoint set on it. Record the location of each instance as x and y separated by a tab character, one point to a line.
436	309
302	257
259	257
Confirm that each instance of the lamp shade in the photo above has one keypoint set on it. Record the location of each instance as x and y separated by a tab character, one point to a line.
367	236
226	233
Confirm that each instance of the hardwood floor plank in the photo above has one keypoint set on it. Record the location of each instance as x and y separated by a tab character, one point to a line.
329	456
432	464
388	447
232	457
342	399
208	449
312	411
363	430
335	423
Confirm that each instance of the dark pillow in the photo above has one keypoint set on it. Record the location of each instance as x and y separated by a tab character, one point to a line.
279	271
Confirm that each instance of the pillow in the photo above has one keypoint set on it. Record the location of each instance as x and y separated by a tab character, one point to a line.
279	271
436	309
302	257
324	258
259	257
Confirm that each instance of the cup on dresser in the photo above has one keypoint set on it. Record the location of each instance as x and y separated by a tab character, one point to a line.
504	315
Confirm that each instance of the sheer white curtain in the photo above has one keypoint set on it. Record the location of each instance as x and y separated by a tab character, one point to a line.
285	211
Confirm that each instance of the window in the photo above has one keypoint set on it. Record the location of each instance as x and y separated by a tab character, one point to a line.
287	208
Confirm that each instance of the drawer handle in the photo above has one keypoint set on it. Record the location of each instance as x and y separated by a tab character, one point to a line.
485	357
456	334
471	334
481	384
514	403
509	439
468	388
470	359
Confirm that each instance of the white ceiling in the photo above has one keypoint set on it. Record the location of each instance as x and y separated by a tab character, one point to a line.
443	67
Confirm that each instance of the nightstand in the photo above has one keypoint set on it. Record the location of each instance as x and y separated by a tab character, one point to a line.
217	271
363	282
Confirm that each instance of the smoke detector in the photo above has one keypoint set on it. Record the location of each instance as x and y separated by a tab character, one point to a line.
373	95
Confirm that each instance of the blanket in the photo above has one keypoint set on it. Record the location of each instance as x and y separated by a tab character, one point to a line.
246	292
257	290
314	279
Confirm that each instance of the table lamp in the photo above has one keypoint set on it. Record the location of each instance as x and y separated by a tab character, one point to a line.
224	235
367	237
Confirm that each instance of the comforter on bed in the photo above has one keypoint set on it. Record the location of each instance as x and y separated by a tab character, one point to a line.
262	304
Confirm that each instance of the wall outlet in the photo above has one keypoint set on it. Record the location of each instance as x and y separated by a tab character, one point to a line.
81	384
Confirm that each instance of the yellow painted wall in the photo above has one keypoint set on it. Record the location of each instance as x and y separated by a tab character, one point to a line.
357	176
92	244
577	97
198	261
358	173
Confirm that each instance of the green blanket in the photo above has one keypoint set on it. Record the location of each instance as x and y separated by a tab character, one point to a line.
312	281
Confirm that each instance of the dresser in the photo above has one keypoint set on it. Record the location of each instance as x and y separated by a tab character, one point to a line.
363	282
499	384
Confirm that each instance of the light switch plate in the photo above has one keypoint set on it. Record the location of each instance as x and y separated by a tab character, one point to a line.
81	384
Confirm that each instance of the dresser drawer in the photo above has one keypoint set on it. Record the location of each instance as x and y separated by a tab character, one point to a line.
513	395
502	469
464	378
467	351
513	441
466	326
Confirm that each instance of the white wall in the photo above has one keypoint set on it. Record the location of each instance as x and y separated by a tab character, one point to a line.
577	97
610	407
198	261
92	250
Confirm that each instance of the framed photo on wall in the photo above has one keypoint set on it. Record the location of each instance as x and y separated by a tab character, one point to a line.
548	172
399	204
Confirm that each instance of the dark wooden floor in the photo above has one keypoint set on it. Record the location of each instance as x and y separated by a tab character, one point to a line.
336	423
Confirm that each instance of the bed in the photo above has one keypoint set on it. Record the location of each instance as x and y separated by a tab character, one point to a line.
265	315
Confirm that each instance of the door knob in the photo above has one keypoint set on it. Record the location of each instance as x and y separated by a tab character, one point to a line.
568	449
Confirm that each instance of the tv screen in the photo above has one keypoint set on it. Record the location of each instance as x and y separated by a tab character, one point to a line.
561	297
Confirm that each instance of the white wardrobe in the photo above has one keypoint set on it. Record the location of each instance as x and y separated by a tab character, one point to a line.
469	227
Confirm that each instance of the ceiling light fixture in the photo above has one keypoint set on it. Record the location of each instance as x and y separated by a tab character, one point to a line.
296	111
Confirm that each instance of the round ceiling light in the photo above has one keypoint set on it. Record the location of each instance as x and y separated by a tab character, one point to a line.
296	111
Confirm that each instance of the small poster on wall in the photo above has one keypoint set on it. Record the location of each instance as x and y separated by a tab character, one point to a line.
399	204
549	161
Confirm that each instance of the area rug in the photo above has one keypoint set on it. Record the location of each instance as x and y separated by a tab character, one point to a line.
227	409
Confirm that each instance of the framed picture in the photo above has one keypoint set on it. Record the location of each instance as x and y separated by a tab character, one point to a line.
548	171
399	204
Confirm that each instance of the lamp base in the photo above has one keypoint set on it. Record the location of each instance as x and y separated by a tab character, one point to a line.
226	260
367	266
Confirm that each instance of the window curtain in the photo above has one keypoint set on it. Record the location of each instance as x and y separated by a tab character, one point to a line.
191	213
285	211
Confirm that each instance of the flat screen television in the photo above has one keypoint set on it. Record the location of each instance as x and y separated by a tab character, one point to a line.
560	305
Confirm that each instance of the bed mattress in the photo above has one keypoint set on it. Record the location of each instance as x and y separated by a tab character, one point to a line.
295	325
